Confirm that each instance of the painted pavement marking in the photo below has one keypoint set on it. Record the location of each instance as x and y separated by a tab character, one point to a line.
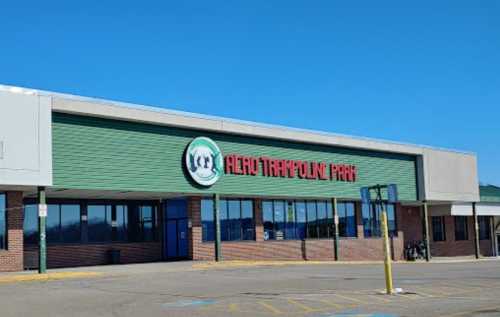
304	307
352	299
188	303
47	276
270	308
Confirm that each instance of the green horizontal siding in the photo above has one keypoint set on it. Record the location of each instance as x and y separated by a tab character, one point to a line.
489	194
95	153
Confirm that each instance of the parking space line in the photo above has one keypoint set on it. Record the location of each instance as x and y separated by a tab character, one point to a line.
271	308
233	308
381	298
304	307
350	299
329	303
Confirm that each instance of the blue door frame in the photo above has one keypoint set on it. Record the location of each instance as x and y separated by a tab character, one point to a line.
175	226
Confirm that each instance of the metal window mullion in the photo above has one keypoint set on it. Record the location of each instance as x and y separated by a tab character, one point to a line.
60	224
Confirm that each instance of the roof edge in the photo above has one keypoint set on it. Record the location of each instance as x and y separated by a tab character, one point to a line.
222	124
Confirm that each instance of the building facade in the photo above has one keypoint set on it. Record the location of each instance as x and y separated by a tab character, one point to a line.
145	182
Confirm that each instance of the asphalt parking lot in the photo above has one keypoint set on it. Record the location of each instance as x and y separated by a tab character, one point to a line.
194	289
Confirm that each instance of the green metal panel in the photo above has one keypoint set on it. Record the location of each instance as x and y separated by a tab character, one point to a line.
103	154
489	194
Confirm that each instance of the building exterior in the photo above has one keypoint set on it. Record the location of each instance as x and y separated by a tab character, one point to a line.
145	182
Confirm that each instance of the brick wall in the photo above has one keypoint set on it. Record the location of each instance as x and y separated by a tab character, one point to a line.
323	249
12	258
411	224
451	247
93	254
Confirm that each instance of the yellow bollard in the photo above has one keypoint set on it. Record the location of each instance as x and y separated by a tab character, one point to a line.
387	254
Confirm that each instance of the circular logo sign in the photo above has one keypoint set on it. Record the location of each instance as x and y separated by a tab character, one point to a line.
204	161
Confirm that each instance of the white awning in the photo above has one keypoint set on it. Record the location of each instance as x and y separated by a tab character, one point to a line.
482	209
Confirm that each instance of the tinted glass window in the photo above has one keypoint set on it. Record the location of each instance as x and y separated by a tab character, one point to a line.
121	223
279	219
290	221
300	209
391	220
99	223
247	220
70	223
297	220
147	219
372	215
331	224
52	224
461	230
268	219
312	229
438	228
234	219
3	222
347	219
224	223
207	219
484	227
322	219
30	227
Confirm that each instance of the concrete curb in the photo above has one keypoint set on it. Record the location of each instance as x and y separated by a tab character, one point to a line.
236	264
46	277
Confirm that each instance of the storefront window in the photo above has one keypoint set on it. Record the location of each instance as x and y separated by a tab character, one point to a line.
30	224
347	219
105	223
247	220
62	223
236	219
372	215
461	228
233	226
312	226
207	220
289	220
3	222
279	219
268	219
141	223
484	227
300	211
438	228
99	223
120	226
147	219
322	219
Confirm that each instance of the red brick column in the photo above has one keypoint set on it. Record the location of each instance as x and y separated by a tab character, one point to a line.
12	258
194	233
359	220
259	226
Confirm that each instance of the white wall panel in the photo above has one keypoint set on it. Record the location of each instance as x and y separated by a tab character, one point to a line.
25	139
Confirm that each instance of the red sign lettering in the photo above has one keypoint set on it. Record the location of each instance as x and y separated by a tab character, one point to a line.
273	167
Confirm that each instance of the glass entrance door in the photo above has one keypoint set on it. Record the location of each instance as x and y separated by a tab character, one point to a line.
176	229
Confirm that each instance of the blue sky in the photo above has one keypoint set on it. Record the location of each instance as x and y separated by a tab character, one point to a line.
425	72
